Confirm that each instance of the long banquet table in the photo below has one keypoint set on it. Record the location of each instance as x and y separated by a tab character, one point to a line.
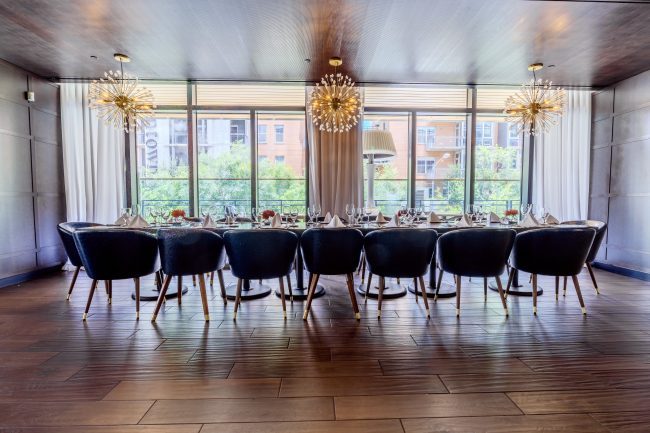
256	290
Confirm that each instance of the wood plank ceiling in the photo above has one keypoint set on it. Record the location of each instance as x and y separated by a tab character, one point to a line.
395	41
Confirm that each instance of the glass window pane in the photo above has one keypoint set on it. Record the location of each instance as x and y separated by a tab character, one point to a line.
166	93
250	95
162	163
423	97
440	163
391	174
281	169
498	165
224	158
493	98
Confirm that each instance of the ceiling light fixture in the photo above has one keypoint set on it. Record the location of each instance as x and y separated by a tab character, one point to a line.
335	104
537	106
120	100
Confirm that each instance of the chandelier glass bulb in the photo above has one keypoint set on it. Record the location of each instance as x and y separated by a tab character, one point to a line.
335	103
120	101
536	107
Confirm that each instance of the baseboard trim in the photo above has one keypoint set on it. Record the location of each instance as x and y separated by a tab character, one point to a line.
21	278
639	275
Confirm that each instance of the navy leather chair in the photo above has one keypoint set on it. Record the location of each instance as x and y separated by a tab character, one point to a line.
559	252
400	253
601	228
190	252
260	255
475	253
65	232
331	252
113	254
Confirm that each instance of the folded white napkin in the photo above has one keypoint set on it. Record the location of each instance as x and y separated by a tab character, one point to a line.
276	221
138	222
335	223
328	218
550	219
393	222
208	223
465	221
124	220
433	218
529	221
494	218
380	218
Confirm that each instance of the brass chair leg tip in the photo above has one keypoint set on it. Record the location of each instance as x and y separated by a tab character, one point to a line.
457	312
153	318
357	316
428	313
584	310
207	317
67	298
284	314
110	300
84	317
535	310
137	316
379	314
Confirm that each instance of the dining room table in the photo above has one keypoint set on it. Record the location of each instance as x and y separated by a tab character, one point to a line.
257	289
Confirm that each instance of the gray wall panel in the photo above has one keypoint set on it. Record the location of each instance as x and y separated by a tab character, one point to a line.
601	133
603	104
15	164
50	256
599	178
48	168
630	169
633	125
16	264
51	211
45	126
17	222
14	118
632	93
13	83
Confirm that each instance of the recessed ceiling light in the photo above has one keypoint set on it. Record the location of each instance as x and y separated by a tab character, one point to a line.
121	57
93	57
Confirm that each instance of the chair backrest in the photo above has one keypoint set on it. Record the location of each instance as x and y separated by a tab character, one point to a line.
65	232
116	254
557	251
475	252
401	253
601	228
190	251
260	254
331	251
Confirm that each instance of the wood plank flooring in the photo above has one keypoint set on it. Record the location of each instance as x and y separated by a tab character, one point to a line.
481	372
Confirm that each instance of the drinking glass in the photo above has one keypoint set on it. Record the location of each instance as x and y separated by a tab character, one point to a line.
310	215
126	211
153	213
254	215
165	213
317	212
349	211
367	212
293	213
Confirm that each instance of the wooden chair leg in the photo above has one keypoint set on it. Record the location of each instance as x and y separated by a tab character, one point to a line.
72	283
204	297
423	289
593	277
353	297
530	279
511	276
313	283
212	278
564	289
440	274
137	298
363	267
110	291
579	293
289	287
194	280
222	285
161	297
284	303
534	279
368	287
179	280
93	286
415	285
485	288
380	297
557	288
501	294
159	282
106	286
458	284
237	297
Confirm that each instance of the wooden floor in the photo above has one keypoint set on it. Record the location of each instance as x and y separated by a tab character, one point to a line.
559	371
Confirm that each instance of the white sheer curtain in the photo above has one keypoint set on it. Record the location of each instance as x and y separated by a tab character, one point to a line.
335	167
561	161
93	160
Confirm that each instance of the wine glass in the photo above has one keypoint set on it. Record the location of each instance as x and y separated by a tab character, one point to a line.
317	212
165	213
310	215
153	213
367	211
349	211
293	213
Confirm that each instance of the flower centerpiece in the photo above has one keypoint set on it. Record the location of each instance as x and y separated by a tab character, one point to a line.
267	215
511	214
178	215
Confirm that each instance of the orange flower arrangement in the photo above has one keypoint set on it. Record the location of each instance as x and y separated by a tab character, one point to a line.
511	212
178	213
266	214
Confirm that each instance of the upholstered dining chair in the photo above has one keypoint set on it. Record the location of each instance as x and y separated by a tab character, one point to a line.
260	255
66	231
601	228
558	252
475	253
400	253
115	254
331	252
190	252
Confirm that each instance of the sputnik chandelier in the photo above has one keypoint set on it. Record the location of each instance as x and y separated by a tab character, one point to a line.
335	104
120	100
537	106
